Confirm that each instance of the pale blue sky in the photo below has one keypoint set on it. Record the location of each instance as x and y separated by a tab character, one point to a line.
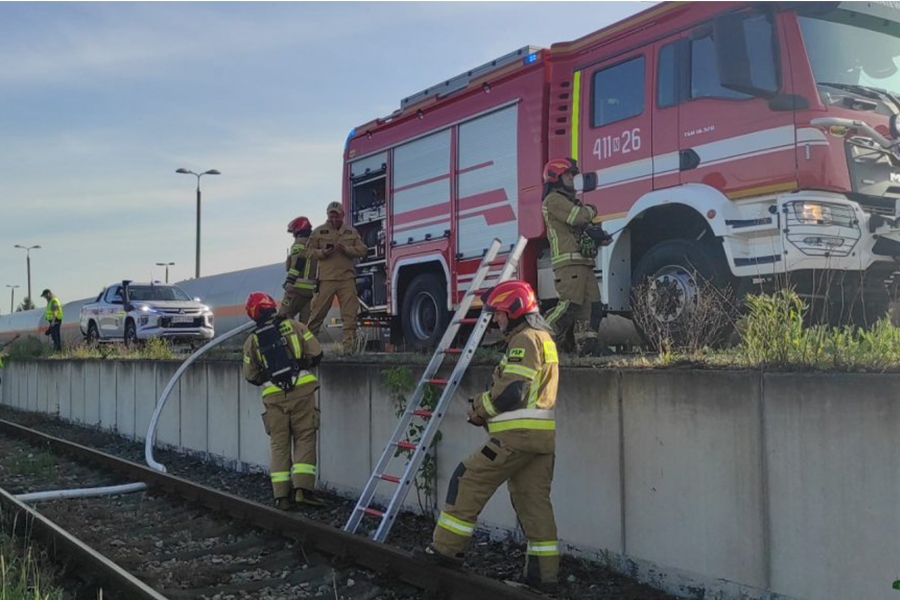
100	103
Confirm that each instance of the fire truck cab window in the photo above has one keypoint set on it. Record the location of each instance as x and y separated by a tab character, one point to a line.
704	74
618	92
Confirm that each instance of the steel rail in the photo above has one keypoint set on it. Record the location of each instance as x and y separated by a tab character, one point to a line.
443	582
29	524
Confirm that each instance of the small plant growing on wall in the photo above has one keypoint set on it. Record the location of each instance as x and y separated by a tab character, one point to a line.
399	382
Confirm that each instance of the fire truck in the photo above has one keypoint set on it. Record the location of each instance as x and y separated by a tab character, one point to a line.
748	144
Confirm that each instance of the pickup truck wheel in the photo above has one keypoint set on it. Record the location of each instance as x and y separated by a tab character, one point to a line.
93	336
131	338
424	315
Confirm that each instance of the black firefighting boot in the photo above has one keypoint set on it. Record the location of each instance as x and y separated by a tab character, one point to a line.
309	498
283	503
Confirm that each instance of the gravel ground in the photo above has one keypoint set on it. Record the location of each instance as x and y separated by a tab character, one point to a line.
497	559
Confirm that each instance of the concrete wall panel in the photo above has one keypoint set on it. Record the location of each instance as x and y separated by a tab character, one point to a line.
108	394
92	392
346	412
693	473
195	408
834	483
253	441
125	382
224	427
145	397
168	428
76	387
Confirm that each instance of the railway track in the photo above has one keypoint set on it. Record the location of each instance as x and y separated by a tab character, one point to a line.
177	540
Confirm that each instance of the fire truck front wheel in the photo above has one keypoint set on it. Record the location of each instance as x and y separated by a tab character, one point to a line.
683	294
424	314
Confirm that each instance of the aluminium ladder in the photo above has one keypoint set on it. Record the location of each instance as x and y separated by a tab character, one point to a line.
433	417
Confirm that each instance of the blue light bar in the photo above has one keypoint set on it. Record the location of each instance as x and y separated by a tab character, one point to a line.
531	58
350	136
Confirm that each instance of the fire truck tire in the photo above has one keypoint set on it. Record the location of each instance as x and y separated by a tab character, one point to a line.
683	290
424	316
93	335
130	336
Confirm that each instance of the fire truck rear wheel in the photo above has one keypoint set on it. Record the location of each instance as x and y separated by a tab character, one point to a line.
424	314
683	290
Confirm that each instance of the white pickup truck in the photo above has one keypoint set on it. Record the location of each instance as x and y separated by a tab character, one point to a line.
129	312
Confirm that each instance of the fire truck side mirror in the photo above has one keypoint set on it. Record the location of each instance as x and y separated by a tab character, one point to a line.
745	53
585	182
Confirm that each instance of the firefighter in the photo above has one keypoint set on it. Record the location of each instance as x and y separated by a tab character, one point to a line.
517	412
300	284
576	317
335	245
278	356
54	316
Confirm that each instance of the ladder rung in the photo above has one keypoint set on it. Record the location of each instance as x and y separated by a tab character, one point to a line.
374	512
406	445
467	321
436	381
391	478
421	412
453	351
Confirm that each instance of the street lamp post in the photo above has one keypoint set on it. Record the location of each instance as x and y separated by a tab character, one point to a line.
199	175
166	265
28	250
12	297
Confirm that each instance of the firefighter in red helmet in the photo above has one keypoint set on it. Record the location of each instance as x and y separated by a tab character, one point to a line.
576	317
300	284
278	355
517	412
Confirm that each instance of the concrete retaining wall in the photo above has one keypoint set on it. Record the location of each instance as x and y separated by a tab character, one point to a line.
706	484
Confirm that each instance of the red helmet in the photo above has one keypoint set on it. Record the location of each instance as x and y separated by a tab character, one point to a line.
554	169
299	224
514	297
259	303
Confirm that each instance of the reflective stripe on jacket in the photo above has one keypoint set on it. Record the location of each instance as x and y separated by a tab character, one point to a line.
301	268
524	384
301	343
565	218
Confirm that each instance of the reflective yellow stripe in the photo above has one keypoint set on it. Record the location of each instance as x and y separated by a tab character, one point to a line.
488	405
246	359
567	256
525	372
543	548
533	391
550	355
576	112
280	476
557	311
305	284
540	424
303	469
294	272
308	335
573	214
303	380
454	525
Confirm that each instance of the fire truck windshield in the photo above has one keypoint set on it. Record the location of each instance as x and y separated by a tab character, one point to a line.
854	57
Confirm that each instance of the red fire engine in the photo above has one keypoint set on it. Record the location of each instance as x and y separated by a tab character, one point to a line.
743	142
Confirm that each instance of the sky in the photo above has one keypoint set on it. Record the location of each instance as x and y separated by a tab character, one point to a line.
101	102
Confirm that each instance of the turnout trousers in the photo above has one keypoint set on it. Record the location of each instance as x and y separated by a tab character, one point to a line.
524	461
295	305
292	423
579	308
345	290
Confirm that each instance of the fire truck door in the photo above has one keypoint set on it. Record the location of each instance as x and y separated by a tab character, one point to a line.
733	141
613	136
